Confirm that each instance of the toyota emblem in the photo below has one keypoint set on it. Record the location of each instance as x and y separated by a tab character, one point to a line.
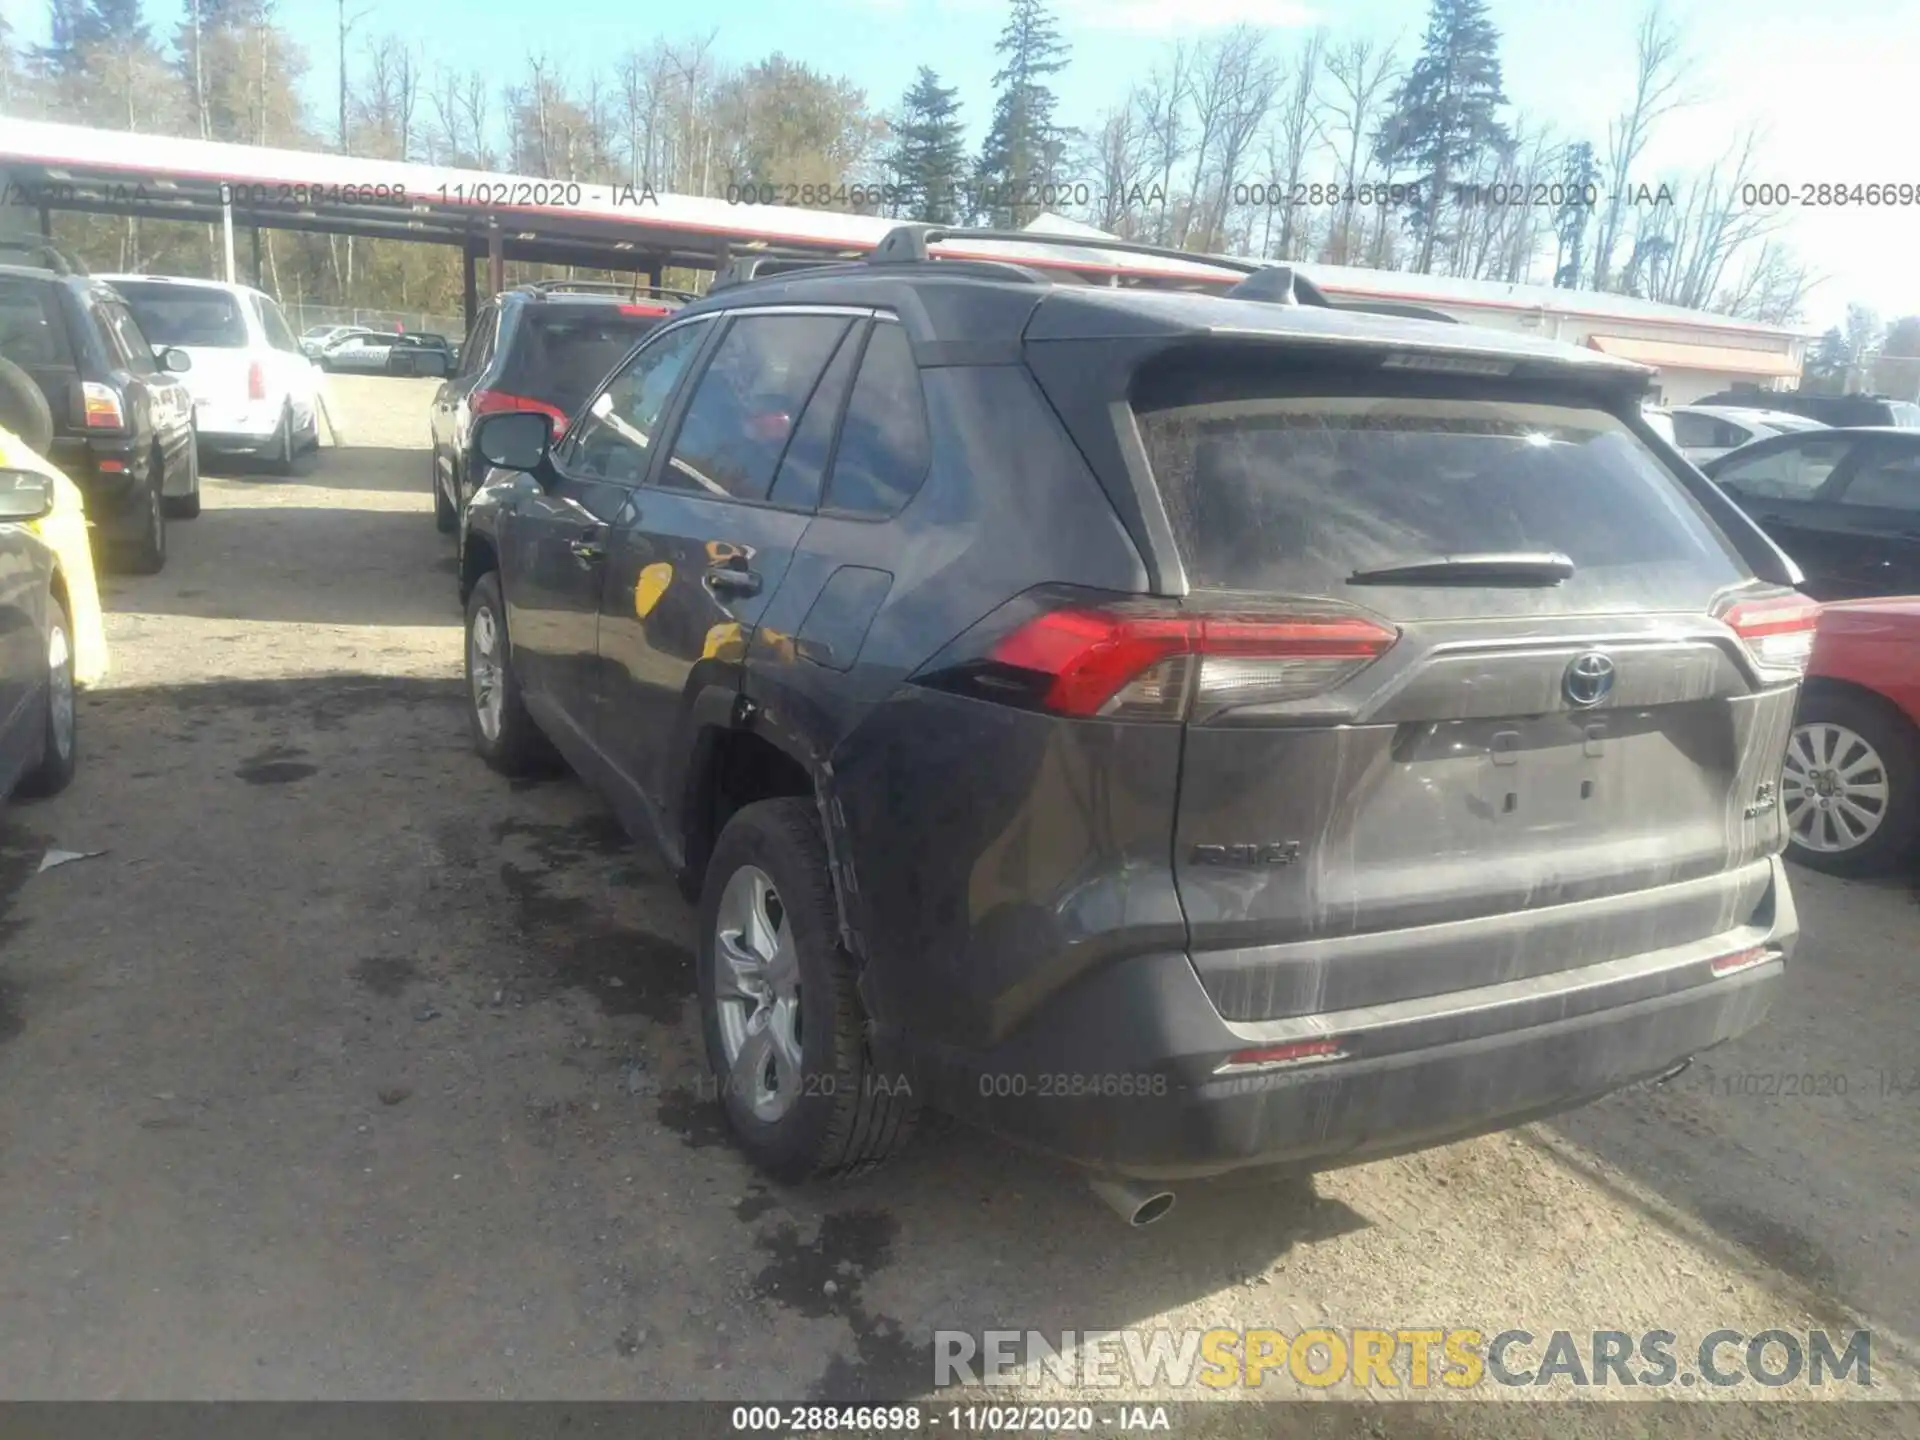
1589	679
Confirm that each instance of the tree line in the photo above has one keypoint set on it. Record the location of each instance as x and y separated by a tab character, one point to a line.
1338	149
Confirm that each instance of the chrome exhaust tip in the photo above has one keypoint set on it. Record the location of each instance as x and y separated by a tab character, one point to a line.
1133	1202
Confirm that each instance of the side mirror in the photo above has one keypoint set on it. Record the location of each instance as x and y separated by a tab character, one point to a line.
175	361
518	440
25	495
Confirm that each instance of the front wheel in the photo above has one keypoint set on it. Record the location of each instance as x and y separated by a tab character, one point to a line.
786	1033
53	771
1851	787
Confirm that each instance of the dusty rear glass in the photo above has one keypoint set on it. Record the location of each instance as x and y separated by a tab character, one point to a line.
1292	493
562	353
179	315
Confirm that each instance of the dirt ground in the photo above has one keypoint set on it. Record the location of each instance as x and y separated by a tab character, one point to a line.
350	1070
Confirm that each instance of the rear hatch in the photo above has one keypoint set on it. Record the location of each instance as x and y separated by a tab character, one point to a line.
1470	704
209	326
565	348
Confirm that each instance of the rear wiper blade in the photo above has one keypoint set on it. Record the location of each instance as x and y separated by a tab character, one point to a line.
1518	567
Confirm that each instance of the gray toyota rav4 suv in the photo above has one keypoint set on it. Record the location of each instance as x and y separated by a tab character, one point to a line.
1179	731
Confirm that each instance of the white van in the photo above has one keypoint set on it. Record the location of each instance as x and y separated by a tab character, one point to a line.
254	392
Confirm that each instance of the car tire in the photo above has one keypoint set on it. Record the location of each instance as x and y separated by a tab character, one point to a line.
280	459
446	519
187	506
1867	756
146	553
504	734
59	751
809	1101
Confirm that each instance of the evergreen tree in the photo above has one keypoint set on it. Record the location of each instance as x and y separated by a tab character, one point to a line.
1581	177
928	161
1023	143
1443	120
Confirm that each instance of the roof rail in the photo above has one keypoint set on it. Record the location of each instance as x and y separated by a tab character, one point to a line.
1394	307
759	267
603	287
43	252
905	244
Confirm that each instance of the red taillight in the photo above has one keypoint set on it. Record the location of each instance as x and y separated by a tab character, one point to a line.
256	381
1778	633
1281	1057
102	407
1142	665
498	402
644	310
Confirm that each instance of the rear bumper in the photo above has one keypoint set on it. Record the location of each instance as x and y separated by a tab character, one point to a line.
245	427
116	502
1118	1073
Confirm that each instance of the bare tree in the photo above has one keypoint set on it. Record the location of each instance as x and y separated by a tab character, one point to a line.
1117	154
1161	106
1361	77
344	28
1235	92
1686	238
1299	127
1661	67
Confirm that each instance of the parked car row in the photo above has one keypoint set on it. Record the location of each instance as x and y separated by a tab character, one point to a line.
1035	680
358	349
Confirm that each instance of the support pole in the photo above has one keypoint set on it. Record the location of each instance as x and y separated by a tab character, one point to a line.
469	300
259	280
496	260
226	229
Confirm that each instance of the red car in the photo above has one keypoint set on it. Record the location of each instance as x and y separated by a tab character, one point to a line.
1852	781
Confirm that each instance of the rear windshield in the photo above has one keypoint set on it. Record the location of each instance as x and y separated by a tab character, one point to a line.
184	315
1292	494
31	334
562	353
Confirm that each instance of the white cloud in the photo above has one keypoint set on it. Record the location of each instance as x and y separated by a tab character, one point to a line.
1166	16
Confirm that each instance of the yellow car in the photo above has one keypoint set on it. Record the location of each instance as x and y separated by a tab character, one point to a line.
65	532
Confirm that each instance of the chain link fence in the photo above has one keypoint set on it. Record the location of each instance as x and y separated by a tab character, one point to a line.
306	317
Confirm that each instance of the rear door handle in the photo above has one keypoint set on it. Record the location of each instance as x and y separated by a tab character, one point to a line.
588	550
733	579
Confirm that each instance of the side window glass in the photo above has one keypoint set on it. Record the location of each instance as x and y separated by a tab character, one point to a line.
884	446
745	404
479	347
126	333
797	485
1793	473
279	333
1695	432
612	440
1890	482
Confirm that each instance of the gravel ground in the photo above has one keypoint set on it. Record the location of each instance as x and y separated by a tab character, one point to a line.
351	1070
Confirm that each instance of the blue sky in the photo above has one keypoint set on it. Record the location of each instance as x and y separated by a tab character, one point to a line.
1832	88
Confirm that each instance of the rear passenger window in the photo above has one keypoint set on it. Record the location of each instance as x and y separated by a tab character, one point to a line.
884	444
745	406
1794	472
797	486
1890	482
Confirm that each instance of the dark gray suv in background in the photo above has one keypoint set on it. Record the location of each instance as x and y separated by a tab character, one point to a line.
1182	732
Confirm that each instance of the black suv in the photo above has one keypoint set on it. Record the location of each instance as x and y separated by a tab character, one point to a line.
82	386
1182	731
540	347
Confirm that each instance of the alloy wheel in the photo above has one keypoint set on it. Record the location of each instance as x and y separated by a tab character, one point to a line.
757	993
488	668
1834	788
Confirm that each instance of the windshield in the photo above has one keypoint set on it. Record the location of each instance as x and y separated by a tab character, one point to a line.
186	315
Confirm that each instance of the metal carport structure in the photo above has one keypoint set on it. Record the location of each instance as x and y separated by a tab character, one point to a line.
47	167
